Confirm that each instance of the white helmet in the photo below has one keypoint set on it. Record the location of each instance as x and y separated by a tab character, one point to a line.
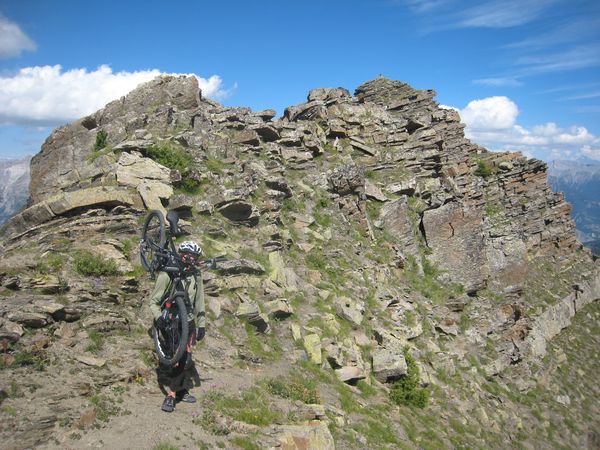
190	247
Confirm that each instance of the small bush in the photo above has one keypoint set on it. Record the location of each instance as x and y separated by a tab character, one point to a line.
178	159
88	264
407	391
101	139
483	170
171	157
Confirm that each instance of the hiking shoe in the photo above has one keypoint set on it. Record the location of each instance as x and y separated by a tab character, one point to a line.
185	397
168	404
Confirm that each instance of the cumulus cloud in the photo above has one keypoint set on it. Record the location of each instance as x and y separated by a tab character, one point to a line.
492	113
47	95
492	122
12	39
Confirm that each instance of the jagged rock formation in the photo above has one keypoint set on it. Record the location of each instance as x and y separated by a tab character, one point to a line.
366	237
14	179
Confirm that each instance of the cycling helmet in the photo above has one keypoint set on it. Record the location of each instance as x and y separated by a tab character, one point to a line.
190	247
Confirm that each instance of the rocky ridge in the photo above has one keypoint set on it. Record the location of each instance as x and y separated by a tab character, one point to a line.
366	236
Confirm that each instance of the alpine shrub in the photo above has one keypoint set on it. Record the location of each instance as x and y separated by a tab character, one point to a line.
407	390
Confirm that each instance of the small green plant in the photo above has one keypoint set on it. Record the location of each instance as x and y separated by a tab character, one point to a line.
483	170
88	264
9	410
13	390
53	262
105	408
296	387
407	391
22	359
208	421
245	443
148	358
165	446
96	342
101	138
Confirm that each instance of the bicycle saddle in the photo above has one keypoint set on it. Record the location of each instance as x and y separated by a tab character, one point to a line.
173	219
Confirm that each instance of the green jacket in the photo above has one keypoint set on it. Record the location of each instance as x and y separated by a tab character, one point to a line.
195	293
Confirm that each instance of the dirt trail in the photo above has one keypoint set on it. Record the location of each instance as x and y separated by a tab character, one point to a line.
141	424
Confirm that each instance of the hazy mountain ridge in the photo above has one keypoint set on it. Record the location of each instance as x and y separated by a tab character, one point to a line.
14	186
580	183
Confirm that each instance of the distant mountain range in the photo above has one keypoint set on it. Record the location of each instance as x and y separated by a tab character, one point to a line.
580	182
14	186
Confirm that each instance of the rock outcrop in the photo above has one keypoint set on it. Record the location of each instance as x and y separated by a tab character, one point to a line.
368	241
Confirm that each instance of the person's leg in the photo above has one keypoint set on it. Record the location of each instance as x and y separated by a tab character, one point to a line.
169	401
186	363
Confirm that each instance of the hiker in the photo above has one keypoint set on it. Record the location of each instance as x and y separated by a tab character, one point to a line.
176	381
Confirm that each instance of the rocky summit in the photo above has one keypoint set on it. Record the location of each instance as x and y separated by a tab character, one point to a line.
388	283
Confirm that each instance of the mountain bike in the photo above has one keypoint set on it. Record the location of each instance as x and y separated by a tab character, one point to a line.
158	253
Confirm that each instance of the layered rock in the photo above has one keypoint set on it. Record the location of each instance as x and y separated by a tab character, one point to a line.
367	221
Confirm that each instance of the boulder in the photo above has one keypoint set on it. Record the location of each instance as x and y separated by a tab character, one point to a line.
314	435
29	319
388	364
133	169
347	179
153	192
312	345
251	312
350	374
279	308
240	266
240	211
349	309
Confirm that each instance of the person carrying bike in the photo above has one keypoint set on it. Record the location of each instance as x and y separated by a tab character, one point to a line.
177	380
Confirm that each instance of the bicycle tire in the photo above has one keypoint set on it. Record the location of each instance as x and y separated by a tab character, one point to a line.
154	235
170	342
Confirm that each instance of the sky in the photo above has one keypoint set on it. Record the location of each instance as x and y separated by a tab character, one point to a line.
524	74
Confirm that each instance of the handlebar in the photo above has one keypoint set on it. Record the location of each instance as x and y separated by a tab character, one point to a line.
177	265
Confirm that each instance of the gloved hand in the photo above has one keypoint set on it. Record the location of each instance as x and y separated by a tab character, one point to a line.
161	322
200	332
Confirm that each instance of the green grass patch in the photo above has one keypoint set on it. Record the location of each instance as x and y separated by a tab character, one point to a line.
23	359
245	443
87	263
252	407
165	446
96	342
176	158
51	263
295	387
105	408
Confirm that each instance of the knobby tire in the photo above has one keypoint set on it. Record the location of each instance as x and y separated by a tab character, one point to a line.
154	235
171	341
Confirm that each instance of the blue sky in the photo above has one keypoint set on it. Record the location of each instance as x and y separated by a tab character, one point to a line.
525	75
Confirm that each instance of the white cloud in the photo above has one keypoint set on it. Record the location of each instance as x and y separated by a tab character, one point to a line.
492	122
502	14
47	95
499	81
492	113
12	39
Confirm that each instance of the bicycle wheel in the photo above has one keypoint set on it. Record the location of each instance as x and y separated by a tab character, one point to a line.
154	236
170	341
